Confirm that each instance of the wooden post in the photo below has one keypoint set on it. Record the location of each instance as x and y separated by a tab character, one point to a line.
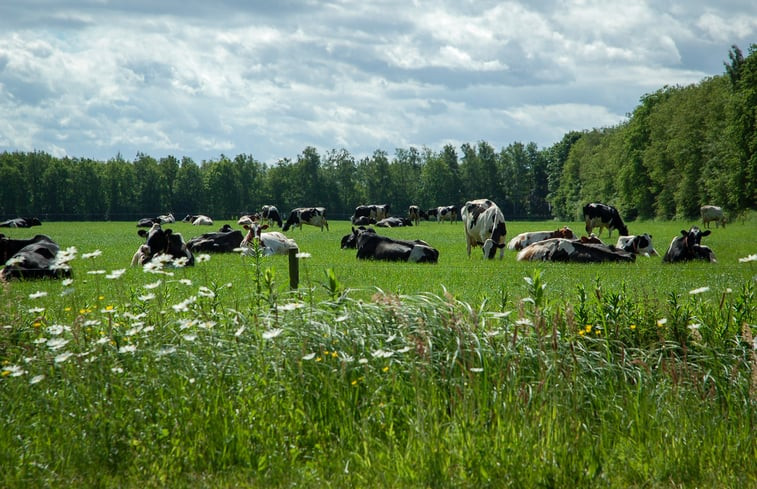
294	269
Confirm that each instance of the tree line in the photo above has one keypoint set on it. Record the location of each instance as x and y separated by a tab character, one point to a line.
681	147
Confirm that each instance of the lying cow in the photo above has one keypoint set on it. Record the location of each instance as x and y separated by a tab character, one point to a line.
271	243
375	211
484	227
689	246
639	245
394	222
166	219
147	222
31	258
314	216
161	241
198	220
371	246
364	221
225	240
21	222
271	214
603	216
712	213
568	250
524	239
350	240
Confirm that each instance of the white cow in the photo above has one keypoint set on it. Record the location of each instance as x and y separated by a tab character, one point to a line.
485	227
712	213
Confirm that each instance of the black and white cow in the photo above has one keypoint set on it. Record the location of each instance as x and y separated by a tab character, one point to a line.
21	222
271	243
638	244
415	214
271	214
375	211
446	213
224	240
569	250
161	241
31	258
314	216
166	218
198	220
147	222
485	227
524	239
364	221
603	216
712	213
688	246
350	240
394	222
371	246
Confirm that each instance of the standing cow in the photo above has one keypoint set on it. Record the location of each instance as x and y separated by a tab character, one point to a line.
485	227
712	213
271	214
603	216
415	213
314	216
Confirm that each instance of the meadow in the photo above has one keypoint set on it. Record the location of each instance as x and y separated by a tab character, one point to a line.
467	373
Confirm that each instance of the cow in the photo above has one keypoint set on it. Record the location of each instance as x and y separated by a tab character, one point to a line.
271	214
224	240
21	222
350	240
248	219
147	222
524	239
371	246
375	211
603	216
364	221
446	213
639	244
432	213
271	243
394	222
570	250
712	213
31	258
484	226
415	214
198	220
314	216
166	218
688	246
161	241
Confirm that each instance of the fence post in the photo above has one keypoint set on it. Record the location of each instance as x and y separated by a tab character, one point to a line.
294	269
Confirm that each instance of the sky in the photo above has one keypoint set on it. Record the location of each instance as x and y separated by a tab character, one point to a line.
98	78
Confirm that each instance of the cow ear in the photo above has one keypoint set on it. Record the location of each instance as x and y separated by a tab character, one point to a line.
264	226
168	232
142	233
684	232
706	233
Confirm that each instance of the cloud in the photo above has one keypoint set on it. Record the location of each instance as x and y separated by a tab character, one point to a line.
92	79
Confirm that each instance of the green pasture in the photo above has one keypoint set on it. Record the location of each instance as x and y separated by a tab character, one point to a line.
468	373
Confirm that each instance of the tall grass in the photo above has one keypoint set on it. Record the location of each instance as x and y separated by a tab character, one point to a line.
220	376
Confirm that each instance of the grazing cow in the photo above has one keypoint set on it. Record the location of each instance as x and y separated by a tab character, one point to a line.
603	216
689	246
31	258
371	246
567	250
394	222
350	240
415	213
375	211
271	214
524	239
21	222
639	245
314	216
485	227
225	240
272	243
432	213
161	241
446	213
712	213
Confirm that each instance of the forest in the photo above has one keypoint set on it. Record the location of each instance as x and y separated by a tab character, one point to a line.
681	147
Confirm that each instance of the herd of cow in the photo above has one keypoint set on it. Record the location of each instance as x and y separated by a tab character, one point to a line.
483	221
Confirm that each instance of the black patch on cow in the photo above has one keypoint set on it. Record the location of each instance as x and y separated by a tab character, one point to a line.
35	258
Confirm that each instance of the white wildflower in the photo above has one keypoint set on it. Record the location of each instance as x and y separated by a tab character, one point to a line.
103	340
180	262
190	337
202	258
152	285
303	255
382	353
272	333
342	318
36	310
13	370
183	306
96	272
115	274
185	281
477	370
40	340
239	332
67	282
117	370
748	258
309	356
362	361
206	292
91	322
56	343
405	349
38	294
127	349
57	329
63	357
291	306
700	290
166	351
207	324
186	323
92	254
146	297
133	331
37	379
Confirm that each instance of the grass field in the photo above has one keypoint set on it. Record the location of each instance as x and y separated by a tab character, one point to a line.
467	373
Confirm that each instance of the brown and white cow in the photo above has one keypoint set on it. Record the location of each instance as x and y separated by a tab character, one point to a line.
485	227
688	246
712	213
603	216
524	239
271	243
314	216
570	250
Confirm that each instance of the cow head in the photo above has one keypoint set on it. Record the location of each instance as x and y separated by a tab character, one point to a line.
693	237
565	233
161	241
